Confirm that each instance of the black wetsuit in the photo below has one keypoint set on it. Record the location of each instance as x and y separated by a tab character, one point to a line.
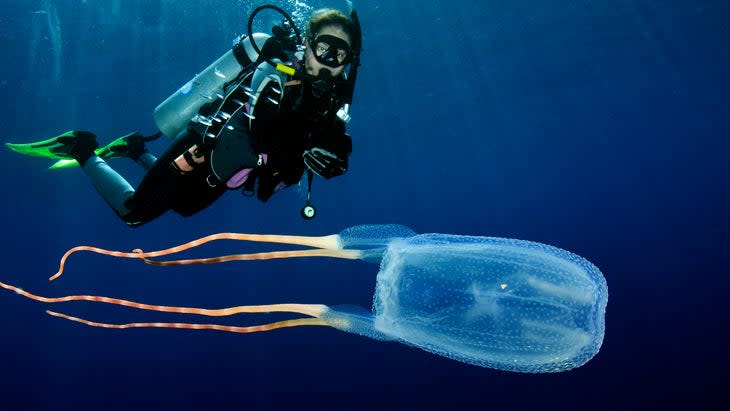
283	131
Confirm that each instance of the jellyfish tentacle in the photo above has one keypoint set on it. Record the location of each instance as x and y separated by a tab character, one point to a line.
348	254
312	310
329	242
97	250
194	326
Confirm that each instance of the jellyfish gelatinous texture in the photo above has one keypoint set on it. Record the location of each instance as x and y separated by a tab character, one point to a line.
499	303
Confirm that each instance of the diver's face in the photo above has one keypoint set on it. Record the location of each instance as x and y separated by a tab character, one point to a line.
311	65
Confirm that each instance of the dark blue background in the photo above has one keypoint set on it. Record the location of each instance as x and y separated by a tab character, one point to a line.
597	126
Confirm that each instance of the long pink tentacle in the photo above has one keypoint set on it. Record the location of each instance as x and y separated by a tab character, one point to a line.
349	254
328	244
312	310
217	327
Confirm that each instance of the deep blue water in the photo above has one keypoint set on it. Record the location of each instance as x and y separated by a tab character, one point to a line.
597	126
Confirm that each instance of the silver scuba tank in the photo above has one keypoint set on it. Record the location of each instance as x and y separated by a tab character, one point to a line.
173	114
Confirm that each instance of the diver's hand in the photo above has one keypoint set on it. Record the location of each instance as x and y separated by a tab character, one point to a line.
283	39
286	35
273	49
324	163
279	44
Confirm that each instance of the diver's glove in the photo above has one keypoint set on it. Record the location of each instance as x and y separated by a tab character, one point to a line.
285	36
324	163
282	42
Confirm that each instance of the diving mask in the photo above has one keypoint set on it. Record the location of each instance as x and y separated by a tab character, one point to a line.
331	51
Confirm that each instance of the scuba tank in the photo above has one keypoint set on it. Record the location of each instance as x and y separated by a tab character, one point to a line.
173	114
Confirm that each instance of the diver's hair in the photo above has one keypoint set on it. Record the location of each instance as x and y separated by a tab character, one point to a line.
329	17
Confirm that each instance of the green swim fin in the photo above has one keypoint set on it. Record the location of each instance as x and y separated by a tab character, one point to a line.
124	146
63	163
54	147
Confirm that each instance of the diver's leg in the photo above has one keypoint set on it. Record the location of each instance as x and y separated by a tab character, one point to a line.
161	185
81	146
112	187
137	150
152	198
132	146
146	160
133	209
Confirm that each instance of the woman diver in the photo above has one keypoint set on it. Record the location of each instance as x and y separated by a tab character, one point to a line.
270	112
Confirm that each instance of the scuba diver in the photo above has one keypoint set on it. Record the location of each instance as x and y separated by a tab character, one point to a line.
271	108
